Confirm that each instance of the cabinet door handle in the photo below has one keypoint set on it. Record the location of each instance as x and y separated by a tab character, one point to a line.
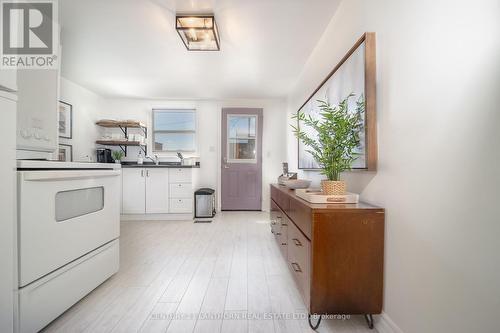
296	267
147	173
142	173
278	234
297	242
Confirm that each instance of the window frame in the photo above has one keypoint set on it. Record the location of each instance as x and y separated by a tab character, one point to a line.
174	110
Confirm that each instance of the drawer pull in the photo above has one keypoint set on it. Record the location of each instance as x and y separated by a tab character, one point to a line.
296	267
297	242
283	243
278	234
284	225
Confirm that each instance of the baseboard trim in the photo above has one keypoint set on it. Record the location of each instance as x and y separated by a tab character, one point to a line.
156	217
384	324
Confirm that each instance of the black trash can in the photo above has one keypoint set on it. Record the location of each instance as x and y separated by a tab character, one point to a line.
204	203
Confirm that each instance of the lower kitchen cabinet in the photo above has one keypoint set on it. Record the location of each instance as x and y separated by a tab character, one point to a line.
133	191
145	191
156	191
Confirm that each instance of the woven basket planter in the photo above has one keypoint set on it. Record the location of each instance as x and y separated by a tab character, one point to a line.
331	187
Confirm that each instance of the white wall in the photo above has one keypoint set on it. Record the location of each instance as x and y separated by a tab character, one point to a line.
439	161
87	107
209	120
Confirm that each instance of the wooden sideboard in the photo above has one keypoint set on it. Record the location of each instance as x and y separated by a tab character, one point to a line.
335	253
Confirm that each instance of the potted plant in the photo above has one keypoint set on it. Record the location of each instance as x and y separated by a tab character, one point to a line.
338	138
117	155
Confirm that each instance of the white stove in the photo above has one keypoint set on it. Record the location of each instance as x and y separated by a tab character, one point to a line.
68	234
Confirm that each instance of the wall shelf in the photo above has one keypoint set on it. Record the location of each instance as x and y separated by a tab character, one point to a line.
123	126
123	144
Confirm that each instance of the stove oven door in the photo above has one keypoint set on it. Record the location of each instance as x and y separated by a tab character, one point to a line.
63	215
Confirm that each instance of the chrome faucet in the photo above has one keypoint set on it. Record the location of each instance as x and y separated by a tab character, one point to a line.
156	160
179	155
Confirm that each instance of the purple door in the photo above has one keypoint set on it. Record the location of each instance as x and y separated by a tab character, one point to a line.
241	174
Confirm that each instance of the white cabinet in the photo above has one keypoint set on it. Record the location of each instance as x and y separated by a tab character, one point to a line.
145	191
180	175
133	191
181	190
180	205
156	191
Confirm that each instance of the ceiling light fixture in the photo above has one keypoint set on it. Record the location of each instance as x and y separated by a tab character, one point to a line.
198	32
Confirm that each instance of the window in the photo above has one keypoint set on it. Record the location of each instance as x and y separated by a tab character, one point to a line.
174	130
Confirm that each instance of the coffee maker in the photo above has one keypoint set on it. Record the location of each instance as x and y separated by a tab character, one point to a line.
104	155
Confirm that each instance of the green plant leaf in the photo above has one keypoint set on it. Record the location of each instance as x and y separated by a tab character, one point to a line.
337	140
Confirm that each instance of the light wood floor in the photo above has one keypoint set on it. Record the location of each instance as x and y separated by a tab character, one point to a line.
187	277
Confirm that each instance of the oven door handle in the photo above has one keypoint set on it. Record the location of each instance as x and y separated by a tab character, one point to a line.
68	175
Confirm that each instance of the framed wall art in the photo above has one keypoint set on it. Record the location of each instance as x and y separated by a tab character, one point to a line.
354	74
65	120
65	153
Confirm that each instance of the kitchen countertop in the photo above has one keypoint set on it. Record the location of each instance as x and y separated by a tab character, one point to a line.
35	164
175	165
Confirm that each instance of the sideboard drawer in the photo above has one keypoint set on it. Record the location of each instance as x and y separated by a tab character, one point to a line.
181	190
274	193
279	227
301	215
181	206
282	236
280	197
273	216
299	252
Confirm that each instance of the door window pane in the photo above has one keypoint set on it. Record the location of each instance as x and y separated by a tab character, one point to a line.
241	138
74	203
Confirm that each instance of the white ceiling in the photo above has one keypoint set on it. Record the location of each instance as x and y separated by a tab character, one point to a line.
130	47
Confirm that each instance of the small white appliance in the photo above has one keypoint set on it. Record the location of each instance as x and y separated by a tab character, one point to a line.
68	230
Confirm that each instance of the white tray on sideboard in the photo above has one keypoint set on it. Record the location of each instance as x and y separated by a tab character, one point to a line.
316	196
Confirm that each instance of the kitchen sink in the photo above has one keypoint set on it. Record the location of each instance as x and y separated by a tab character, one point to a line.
151	164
